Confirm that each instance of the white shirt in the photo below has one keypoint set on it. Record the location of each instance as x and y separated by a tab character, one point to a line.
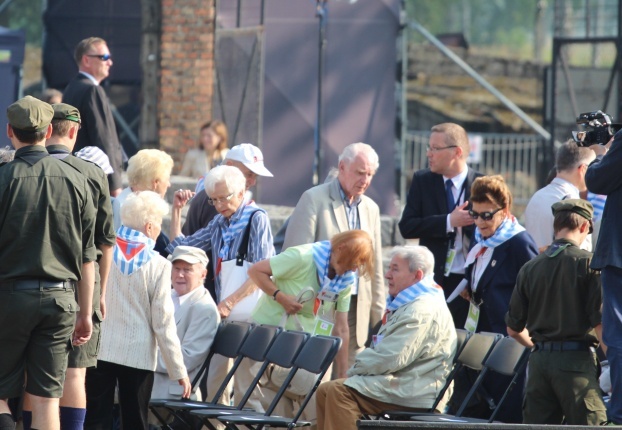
459	193
539	215
91	77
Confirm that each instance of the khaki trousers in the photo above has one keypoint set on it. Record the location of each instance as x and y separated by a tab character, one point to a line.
339	407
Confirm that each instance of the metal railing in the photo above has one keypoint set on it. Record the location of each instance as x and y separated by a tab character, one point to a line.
517	157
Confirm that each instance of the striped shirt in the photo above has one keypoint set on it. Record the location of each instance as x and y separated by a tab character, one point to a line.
260	246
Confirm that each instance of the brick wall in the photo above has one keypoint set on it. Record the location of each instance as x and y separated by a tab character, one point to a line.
186	74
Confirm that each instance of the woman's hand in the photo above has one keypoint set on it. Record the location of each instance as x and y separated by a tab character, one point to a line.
181	197
224	308
288	303
185	382
466	294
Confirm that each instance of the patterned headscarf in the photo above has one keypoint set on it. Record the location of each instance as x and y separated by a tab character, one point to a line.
507	230
132	250
321	257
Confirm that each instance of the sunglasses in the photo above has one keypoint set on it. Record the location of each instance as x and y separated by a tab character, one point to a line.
485	216
104	57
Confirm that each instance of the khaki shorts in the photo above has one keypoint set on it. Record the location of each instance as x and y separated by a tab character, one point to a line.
35	334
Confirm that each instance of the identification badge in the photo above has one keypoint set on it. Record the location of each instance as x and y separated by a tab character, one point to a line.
449	261
323	327
327	296
472	318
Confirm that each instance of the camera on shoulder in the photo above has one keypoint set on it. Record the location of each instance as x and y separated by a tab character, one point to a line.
598	128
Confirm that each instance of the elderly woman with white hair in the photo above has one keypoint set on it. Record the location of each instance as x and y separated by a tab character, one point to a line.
225	235
147	170
140	317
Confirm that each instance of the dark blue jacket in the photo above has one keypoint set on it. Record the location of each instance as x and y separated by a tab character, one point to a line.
498	280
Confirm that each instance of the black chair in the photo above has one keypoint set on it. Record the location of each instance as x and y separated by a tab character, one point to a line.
507	358
227	342
316	357
472	355
283	352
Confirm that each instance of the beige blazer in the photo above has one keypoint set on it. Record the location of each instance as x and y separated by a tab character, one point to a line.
197	320
319	215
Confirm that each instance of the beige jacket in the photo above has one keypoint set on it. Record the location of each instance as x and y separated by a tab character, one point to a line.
410	364
319	215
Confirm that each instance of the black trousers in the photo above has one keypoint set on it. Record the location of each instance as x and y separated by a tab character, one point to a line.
134	393
459	307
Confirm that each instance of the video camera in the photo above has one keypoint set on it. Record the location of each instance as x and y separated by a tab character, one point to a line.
598	128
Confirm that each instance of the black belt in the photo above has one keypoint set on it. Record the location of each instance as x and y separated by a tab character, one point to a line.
563	346
35	284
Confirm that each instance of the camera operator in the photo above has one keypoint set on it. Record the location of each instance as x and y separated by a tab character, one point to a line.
603	177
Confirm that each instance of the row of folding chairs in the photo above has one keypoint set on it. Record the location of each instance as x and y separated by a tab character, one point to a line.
261	343
487	354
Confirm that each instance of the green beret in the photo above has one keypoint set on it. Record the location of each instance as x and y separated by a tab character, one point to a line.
65	111
578	206
30	114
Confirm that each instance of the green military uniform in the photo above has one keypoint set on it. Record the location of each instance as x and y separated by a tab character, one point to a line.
46	234
86	355
558	298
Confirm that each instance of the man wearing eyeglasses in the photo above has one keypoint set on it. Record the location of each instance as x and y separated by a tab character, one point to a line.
571	163
84	92
436	209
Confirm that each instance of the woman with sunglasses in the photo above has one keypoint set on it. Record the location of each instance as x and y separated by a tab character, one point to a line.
502	247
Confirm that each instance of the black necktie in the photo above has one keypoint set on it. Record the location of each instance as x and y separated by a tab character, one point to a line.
451	203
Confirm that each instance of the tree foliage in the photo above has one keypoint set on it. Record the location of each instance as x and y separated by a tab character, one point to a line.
26	15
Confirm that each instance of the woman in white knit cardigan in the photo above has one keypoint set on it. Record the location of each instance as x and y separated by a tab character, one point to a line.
140	316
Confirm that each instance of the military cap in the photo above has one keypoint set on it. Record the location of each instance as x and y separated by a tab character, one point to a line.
30	114
65	111
578	206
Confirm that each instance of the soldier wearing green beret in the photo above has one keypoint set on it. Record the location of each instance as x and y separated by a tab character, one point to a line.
47	219
556	309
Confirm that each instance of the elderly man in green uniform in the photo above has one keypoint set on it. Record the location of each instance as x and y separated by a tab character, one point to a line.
556	308
47	220
65	126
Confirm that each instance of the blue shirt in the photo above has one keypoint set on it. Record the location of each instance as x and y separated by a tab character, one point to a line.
260	246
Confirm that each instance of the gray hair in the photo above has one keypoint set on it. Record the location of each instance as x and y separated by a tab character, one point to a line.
232	177
570	155
418	258
143	207
7	154
351	151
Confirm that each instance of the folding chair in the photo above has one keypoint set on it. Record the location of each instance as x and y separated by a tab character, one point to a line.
316	357
507	358
283	352
227	342
472	355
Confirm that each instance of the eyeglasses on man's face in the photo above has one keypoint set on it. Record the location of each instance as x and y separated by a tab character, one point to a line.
103	57
439	148
485	216
221	200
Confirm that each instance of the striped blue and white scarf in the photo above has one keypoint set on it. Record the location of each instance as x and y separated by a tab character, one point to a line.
237	225
408	295
132	250
507	230
321	258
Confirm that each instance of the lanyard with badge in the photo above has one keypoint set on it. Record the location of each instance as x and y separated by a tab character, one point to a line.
325	313
451	251
474	304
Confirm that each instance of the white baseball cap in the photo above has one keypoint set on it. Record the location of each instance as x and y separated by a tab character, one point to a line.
250	156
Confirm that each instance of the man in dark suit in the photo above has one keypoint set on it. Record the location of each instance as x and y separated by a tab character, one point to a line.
436	209
603	177
84	92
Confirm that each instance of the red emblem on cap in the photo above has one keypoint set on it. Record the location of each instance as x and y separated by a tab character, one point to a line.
255	159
